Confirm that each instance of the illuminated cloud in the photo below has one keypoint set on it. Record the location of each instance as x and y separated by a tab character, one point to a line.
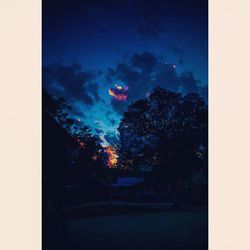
119	93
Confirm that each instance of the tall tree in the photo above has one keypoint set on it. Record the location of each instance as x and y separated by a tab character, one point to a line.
166	132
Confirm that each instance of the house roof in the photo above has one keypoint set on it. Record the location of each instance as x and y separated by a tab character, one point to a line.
127	181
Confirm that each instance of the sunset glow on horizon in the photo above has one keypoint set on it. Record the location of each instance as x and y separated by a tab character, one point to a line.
112	157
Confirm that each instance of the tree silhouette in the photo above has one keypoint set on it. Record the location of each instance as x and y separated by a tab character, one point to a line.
72	156
166	132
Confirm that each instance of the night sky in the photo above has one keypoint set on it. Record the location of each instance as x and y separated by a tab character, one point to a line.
90	47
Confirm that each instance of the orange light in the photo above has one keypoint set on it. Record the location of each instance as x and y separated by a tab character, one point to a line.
112	157
94	157
119	97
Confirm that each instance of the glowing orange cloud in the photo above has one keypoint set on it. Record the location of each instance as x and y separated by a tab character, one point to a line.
118	95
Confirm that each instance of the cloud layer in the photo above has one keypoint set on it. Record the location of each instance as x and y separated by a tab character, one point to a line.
144	71
71	82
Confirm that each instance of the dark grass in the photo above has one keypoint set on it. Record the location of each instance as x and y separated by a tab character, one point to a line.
171	230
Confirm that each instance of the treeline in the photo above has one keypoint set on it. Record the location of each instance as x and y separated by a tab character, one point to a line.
73	160
163	136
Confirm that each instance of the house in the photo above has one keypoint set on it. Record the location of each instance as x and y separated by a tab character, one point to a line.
137	189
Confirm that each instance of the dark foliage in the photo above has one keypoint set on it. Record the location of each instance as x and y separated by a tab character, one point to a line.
72	156
165	133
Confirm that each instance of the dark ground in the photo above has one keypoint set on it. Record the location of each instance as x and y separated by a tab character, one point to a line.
169	230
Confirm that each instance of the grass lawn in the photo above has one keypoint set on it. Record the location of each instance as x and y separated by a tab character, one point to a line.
184	230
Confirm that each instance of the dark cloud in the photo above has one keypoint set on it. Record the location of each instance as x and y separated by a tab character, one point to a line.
178	52
143	72
145	61
71	82
188	83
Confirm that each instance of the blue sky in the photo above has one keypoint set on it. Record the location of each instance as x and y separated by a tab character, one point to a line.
89	46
